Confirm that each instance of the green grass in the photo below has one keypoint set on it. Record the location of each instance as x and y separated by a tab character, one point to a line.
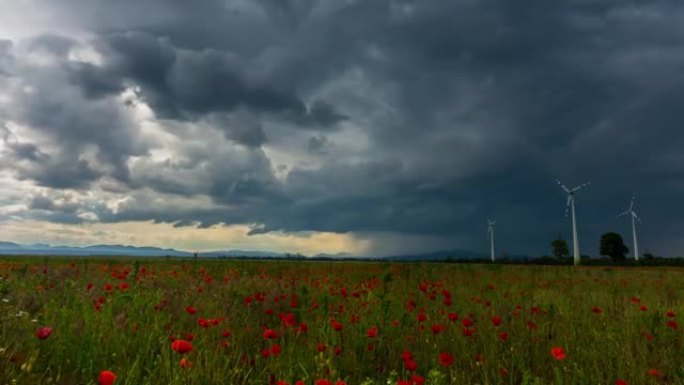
131	333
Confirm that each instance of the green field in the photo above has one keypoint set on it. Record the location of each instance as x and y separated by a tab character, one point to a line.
280	322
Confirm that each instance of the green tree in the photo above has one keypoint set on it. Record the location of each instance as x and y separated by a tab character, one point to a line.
613	246
560	248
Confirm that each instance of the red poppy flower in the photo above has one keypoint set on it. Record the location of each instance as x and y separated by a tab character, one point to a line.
496	320
181	346
406	355
270	334
558	353
596	310
336	325
190	310
670	314
672	324
185	363
322	382
453	317
411	365
621	382
44	332
276	349
503	336
467	322
437	328
446	359
106	378
654	373
372	332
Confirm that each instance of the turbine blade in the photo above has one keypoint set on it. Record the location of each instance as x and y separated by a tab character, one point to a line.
624	213
583	185
631	205
562	186
636	217
567	205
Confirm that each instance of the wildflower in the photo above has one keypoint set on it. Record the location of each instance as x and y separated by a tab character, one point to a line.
446	359
503	336
336	325
106	378
496	320
654	373
190	310
596	310
185	363
372	332
270	334
621	382
181	346
558	353
44	332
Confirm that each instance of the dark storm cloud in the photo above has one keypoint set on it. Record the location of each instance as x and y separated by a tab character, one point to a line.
466	109
186	84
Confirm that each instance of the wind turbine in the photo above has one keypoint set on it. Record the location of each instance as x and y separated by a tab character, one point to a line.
630	211
490	231
571	204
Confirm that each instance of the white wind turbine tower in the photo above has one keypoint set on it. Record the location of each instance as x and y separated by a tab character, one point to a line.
490	231
630	211
571	204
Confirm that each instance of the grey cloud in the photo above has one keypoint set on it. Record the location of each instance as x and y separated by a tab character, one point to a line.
186	84
317	145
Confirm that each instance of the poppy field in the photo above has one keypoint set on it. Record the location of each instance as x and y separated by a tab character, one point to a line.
148	322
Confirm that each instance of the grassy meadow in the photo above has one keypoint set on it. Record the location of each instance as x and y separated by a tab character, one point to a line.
169	322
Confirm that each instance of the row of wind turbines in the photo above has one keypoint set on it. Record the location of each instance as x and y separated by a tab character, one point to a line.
570	205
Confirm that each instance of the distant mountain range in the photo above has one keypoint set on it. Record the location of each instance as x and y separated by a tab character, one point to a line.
10	248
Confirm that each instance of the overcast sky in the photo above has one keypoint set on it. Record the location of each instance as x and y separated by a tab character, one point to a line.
371	127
